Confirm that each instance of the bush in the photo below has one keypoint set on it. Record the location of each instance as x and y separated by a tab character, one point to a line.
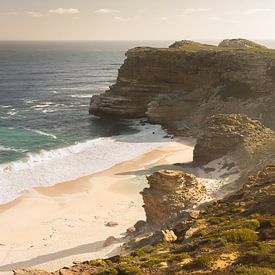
138	253
110	271
215	220
98	263
252	224
251	270
239	235
177	257
125	269
203	261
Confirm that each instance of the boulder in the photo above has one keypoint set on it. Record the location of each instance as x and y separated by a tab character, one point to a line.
111	224
169	235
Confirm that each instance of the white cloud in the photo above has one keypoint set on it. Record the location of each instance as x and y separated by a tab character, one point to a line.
105	11
34	14
121	19
191	10
215	18
255	11
62	11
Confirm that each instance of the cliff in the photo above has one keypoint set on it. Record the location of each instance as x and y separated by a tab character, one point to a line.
180	86
237	135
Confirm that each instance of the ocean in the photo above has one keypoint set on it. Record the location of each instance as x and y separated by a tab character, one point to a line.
46	133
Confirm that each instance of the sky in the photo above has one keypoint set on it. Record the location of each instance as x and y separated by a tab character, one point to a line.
136	19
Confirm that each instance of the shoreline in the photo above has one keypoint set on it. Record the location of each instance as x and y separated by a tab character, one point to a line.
50	227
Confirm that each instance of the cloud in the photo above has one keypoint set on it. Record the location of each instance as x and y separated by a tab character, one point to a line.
34	14
121	19
215	18
105	11
191	10
255	11
62	11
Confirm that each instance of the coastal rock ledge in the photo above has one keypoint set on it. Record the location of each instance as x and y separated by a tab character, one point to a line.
171	194
180	86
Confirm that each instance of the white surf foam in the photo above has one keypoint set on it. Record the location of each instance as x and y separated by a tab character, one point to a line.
44	134
80	96
52	167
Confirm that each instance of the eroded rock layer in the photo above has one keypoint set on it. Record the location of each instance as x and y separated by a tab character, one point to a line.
228	133
180	86
169	195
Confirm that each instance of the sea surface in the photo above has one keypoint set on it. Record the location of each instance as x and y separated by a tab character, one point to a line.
46	133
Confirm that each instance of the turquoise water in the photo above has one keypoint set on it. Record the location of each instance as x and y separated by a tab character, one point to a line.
45	89
46	133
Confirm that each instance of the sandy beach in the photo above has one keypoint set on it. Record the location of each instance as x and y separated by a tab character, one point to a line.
53	226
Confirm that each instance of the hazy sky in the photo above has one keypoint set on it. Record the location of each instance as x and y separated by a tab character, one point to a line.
136	19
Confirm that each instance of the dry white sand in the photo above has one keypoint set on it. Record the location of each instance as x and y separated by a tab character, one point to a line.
51	227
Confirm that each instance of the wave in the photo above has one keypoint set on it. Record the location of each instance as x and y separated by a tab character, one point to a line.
7	149
81	96
51	167
44	134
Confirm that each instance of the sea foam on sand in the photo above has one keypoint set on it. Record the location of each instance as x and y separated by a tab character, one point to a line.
51	167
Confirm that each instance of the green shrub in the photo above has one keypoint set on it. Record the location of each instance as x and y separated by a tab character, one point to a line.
148	249
215	220
252	270
239	235
177	257
98	263
252	224
203	261
137	253
110	271
126	269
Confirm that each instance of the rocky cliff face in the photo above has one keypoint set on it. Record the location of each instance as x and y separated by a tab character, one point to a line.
233	133
171	194
179	87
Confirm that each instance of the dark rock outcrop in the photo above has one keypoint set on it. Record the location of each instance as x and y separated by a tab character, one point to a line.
239	134
179	87
171	193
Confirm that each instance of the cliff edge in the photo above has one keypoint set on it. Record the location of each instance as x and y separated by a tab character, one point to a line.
180	86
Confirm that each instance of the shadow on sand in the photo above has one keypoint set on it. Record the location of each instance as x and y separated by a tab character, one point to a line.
82	249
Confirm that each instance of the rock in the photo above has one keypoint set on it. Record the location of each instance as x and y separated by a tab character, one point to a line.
110	241
111	224
194	228
225	133
140	227
131	230
194	214
169	195
179	87
66	271
240	43
169	235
